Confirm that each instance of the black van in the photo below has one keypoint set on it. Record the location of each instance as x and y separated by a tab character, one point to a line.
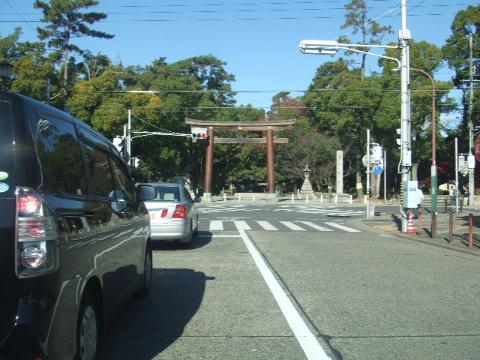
74	233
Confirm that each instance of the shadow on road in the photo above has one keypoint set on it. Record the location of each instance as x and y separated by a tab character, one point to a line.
148	326
201	240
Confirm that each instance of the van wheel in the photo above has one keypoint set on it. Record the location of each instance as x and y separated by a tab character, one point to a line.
144	291
87	329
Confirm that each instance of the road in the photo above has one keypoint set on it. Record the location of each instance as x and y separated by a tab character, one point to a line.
312	281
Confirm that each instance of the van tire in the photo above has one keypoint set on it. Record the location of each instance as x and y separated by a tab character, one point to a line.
87	328
146	287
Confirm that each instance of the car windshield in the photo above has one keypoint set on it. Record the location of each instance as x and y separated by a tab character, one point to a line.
166	193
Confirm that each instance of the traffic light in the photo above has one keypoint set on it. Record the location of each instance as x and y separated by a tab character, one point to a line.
376	154
199	134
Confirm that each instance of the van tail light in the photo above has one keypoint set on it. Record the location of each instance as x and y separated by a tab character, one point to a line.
36	235
180	212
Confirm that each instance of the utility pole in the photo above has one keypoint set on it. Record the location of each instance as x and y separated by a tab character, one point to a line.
385	177
471	171
368	166
456	175
406	152
129	137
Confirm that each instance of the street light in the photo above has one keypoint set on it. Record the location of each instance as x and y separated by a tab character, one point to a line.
331	47
433	172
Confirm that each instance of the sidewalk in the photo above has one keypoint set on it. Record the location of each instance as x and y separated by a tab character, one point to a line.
390	222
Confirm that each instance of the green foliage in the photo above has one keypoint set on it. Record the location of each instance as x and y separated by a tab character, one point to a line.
456	49
65	21
370	31
337	108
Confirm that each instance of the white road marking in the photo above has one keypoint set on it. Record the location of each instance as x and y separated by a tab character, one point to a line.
266	225
304	336
242	224
217	236
292	226
315	226
216	225
342	227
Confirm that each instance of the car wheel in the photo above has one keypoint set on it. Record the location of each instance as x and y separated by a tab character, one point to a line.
195	232
187	242
144	291
87	329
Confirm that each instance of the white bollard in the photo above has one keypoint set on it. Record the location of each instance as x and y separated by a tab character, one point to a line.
336	199
239	197
224	197
293	198
365	199
321	198
306	199
253	198
351	199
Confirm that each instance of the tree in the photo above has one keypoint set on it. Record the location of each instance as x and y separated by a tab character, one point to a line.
457	53
370	31
32	70
308	147
65	22
93	66
456	49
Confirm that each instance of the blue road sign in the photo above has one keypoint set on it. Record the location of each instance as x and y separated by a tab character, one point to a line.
377	170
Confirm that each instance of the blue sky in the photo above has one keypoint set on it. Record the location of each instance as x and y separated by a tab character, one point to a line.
257	39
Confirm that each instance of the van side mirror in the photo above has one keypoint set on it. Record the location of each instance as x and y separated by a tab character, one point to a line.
145	192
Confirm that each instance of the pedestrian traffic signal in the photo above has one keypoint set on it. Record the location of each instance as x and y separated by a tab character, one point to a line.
135	162
399	140
119	143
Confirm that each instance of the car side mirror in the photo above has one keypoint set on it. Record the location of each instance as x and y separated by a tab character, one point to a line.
145	192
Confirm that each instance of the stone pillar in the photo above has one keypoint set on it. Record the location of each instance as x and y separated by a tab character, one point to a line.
339	182
207	194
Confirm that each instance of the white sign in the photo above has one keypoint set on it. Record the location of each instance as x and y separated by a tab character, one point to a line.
199	133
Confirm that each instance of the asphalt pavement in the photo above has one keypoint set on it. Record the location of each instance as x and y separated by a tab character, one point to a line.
356	289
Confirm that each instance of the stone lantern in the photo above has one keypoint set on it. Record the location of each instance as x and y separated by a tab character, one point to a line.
307	186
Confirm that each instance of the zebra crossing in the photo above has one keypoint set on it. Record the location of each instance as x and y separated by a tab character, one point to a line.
320	209
263	225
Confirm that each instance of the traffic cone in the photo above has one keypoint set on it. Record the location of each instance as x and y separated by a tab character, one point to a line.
410	225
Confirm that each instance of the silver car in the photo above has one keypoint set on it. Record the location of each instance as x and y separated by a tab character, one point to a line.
173	213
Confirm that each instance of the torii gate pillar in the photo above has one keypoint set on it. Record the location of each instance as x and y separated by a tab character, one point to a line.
270	166
207	194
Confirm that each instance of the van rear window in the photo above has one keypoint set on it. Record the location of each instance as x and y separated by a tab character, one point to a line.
6	151
60	157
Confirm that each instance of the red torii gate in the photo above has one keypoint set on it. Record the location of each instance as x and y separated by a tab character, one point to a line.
265	126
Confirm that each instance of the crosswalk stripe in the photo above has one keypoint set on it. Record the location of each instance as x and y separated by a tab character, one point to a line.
315	226
266	225
240	224
216	225
342	227
292	226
